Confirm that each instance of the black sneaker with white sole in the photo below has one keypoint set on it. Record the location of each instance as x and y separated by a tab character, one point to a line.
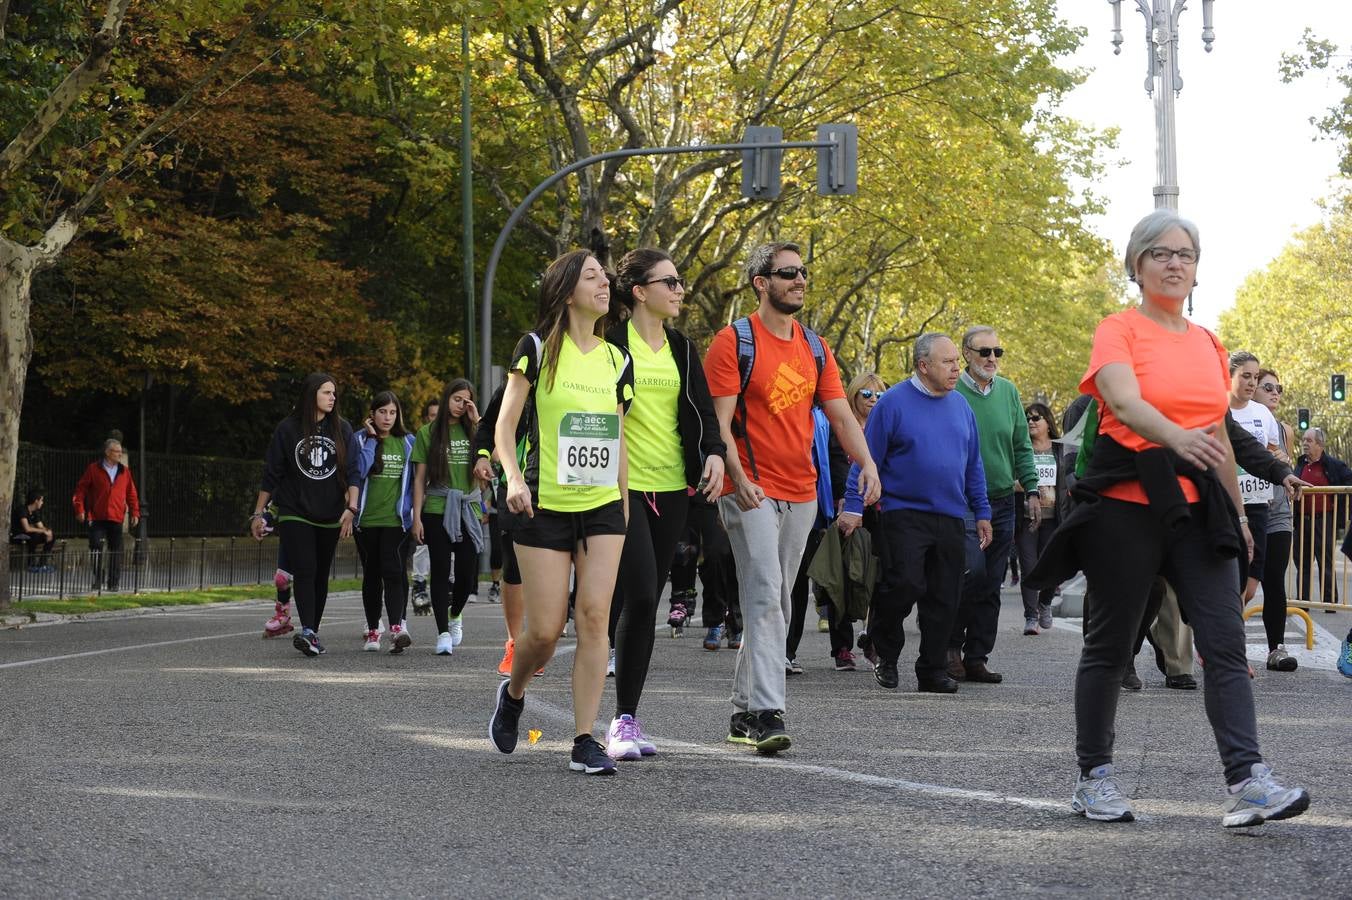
767	732
502	728
739	729
590	758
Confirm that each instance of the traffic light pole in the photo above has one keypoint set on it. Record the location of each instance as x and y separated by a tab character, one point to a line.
490	271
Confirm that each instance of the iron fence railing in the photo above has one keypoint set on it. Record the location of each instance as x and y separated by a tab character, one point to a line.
170	564
183	496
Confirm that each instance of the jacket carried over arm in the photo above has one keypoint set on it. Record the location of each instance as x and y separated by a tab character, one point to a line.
1158	470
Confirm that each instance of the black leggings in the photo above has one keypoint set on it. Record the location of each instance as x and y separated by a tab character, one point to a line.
717	570
1274	586
309	553
384	563
656	523
448	599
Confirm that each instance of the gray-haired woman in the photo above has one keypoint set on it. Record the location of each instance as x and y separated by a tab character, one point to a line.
1161	497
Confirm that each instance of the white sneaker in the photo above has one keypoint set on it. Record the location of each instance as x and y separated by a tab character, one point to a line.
457	631
622	738
402	639
372	641
610	667
1262	798
1100	798
645	745
472	598
444	644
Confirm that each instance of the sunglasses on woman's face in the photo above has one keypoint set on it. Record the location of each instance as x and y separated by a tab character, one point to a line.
1034	417
1271	388
869	393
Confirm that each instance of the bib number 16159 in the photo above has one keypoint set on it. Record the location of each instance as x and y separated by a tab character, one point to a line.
589	449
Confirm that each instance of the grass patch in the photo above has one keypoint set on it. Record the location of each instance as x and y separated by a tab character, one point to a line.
74	606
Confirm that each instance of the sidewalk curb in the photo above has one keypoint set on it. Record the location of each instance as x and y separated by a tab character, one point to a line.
36	619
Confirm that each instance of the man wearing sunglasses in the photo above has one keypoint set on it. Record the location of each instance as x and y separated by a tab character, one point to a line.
1007	456
769	496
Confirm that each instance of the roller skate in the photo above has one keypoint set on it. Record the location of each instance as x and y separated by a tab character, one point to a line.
680	612
422	601
280	623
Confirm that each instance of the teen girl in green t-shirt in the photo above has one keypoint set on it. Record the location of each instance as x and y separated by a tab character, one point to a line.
450	509
384	515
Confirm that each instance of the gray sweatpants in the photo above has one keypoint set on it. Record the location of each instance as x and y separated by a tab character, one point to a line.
767	544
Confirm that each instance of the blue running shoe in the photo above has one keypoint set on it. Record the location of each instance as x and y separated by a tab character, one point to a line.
1345	657
307	642
713	637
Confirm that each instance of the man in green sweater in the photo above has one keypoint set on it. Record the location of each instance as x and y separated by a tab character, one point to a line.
1007	456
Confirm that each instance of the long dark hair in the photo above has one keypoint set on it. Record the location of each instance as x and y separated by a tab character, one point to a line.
1045	411
440	433
385	398
556	286
306	410
633	270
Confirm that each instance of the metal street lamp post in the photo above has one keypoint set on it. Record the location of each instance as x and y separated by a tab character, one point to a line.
1161	24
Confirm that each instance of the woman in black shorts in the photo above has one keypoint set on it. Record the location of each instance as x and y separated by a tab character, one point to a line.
569	507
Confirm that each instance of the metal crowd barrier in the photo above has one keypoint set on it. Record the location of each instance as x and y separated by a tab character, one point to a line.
1319	574
169	564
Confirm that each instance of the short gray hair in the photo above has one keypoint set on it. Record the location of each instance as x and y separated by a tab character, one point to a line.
924	346
1240	358
973	332
108	444
762	255
1317	433
1149	229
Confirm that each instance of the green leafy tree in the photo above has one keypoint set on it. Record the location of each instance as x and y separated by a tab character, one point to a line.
1295	316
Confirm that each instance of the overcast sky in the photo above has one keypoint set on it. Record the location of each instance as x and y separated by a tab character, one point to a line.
1250	172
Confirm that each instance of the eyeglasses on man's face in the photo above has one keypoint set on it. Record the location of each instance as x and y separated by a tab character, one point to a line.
788	273
988	352
1271	388
1185	255
671	281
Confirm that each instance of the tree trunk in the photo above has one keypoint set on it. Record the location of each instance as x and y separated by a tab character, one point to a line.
17	264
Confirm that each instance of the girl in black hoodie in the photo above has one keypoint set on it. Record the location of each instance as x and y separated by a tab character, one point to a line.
307	473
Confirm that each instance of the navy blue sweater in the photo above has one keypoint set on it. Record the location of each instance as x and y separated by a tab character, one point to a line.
928	455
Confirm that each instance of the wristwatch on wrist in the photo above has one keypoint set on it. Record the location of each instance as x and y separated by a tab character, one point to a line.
1244	520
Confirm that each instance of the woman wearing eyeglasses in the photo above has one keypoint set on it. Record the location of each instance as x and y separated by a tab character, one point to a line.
1161	497
1279	529
673	443
1030	542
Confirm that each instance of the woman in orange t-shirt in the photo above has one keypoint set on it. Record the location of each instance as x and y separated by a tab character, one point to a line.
1162	382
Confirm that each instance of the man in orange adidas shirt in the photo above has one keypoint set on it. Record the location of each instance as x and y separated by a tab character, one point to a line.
770	495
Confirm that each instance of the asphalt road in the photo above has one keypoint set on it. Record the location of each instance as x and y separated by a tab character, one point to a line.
178	755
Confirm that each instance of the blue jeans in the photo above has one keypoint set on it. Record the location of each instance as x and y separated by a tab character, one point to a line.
979	613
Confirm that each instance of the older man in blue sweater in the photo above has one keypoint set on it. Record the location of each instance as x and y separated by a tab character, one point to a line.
924	440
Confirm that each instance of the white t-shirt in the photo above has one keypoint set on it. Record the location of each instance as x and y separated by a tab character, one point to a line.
1257	420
